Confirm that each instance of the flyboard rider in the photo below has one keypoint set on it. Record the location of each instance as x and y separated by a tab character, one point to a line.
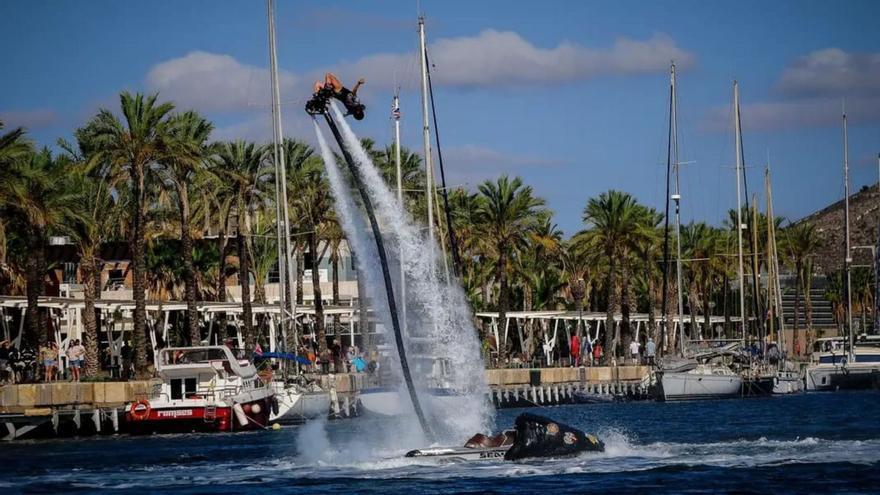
348	97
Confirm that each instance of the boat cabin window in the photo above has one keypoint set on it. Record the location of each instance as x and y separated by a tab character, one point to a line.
182	388
191	356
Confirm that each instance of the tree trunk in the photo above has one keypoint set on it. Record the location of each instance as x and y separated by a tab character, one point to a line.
707	324
221	285
334	262
501	274
88	271
244	281
316	290
577	294
35	328
609	313
300	272
139	272
653	327
189	271
527	346
625	329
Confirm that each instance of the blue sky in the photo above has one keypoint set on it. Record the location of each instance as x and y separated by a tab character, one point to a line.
572	96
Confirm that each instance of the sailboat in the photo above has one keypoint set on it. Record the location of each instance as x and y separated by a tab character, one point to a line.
854	366
297	400
696	376
774	374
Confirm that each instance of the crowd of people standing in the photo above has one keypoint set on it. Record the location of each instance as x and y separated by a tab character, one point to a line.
43	364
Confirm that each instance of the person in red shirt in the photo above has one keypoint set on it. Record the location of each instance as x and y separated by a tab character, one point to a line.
575	350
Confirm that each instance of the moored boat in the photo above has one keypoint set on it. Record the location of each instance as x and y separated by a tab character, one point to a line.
203	389
839	370
702	381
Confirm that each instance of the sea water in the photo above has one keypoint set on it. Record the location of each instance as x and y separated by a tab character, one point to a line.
807	443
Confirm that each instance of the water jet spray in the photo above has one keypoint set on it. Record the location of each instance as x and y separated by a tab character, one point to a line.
318	106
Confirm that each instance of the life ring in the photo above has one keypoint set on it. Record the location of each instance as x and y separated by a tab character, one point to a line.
140	414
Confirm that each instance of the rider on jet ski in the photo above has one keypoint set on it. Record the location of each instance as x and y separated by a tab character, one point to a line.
348	97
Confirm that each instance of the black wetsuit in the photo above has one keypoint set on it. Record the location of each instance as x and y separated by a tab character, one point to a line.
352	104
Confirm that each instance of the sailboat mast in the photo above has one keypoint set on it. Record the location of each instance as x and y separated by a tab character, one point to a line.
426	132
848	254
677	198
771	291
395	114
739	235
665	287
282	216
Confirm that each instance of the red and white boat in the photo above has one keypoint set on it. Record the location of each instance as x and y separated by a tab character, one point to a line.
203	389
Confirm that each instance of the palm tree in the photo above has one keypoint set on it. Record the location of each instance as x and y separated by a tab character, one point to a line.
132	145
219	196
411	174
615	218
244	166
801	243
97	212
506	213
648	250
263	250
37	192
312	203
297	156
187	145
13	146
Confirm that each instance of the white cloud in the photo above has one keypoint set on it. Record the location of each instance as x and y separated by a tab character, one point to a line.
471	164
29	119
213	82
217	82
798	113
832	72
504	58
813	89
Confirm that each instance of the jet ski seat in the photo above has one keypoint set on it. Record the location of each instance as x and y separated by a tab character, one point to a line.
480	441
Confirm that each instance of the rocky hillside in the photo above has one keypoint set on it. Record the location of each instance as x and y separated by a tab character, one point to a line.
864	210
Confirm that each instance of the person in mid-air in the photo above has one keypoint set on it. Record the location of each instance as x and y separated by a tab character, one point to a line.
348	97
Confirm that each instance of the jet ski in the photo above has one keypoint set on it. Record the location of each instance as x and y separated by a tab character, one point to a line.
533	437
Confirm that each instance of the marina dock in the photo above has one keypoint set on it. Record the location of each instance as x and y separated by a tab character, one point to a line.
89	408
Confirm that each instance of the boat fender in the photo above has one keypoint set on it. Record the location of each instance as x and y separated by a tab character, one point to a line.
274	404
140	410
239	414
256	409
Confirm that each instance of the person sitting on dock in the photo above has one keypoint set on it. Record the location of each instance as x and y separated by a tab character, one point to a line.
348	97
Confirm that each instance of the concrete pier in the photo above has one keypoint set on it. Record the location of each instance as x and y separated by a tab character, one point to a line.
554	386
66	408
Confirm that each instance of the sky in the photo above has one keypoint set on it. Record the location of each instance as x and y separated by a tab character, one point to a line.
571	96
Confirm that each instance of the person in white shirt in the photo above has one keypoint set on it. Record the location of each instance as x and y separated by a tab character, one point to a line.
634	351
75	356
